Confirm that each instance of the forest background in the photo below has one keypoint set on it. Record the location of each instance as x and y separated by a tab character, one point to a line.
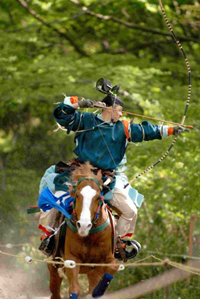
65	46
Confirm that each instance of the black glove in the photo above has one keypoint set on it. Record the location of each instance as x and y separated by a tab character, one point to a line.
85	103
178	130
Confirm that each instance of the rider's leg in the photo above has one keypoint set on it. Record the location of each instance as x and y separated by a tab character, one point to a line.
49	222
127	221
125	205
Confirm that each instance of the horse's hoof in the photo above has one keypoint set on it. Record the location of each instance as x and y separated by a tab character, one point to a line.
73	296
102	286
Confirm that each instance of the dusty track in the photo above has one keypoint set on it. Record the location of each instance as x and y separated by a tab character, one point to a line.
17	284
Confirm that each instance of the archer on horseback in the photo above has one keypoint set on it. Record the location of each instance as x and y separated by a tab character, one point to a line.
102	140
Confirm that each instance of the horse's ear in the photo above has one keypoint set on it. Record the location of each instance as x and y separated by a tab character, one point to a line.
99	175
71	191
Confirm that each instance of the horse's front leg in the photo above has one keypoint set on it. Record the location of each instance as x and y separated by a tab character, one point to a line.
100	278
72	276
55	282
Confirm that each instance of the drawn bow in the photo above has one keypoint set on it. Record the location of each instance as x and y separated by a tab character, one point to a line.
188	95
104	86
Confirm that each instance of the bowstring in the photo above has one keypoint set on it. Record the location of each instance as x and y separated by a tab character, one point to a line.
188	95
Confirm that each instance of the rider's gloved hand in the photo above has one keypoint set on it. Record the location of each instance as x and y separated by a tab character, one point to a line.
85	103
178	130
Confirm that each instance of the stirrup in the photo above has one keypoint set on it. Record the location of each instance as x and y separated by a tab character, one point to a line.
47	245
123	254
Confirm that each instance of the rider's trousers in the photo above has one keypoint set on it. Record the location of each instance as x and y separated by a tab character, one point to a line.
121	201
127	220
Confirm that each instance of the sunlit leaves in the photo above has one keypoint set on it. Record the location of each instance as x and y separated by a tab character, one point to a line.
37	66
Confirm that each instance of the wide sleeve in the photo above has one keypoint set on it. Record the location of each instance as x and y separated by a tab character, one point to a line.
68	117
144	131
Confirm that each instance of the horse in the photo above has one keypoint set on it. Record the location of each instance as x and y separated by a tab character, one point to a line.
88	238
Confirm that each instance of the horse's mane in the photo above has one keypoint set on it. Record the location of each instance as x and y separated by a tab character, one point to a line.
86	170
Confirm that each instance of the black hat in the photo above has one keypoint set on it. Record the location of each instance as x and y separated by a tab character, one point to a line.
110	100
105	86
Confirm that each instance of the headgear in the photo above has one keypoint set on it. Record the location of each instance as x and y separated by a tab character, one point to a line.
105	87
110	100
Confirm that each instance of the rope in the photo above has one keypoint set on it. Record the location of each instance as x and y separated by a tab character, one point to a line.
139	263
187	268
49	261
184	256
136	262
13	245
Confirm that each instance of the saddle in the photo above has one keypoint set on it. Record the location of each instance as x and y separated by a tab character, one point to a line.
72	165
53	245
65	170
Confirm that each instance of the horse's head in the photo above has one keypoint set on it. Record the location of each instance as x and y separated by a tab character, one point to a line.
88	194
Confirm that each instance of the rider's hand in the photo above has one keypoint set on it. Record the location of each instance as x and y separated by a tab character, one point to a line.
85	103
178	130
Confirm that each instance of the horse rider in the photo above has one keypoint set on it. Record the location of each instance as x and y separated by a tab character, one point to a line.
102	140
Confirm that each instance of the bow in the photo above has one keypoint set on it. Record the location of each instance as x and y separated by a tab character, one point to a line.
188	95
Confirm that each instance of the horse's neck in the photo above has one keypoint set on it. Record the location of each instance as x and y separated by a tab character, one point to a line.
103	215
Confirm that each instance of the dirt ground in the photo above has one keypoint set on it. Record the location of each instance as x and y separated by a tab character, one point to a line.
16	284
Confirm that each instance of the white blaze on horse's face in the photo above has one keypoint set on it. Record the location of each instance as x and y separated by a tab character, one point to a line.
85	223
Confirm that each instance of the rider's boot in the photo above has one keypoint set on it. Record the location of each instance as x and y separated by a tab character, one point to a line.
121	253
47	245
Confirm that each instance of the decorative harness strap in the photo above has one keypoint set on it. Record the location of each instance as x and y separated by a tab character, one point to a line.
95	229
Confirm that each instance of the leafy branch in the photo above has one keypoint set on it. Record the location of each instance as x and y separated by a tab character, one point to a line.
59	32
131	25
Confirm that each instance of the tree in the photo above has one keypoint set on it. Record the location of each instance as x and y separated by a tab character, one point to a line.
64	47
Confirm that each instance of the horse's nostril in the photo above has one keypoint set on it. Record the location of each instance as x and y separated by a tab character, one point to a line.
89	226
83	226
78	224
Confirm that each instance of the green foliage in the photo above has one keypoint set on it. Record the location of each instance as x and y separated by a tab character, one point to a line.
67	54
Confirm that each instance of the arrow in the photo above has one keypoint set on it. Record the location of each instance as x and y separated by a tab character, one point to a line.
100	105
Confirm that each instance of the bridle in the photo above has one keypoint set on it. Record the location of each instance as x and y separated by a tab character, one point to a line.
72	223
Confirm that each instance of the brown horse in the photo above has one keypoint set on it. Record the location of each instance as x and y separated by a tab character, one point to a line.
88	238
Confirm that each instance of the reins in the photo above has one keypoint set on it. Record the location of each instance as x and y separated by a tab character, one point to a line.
91	179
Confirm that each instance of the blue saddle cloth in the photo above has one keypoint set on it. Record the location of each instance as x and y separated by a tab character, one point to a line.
47	200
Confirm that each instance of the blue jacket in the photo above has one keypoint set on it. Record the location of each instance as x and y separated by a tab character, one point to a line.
102	144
